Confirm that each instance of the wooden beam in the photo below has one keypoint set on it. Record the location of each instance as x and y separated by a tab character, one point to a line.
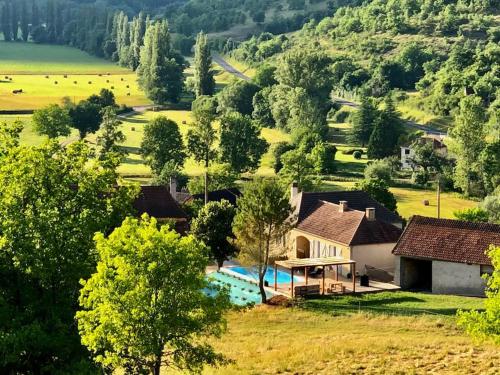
307	274
275	276
353	271
291	281
337	273
324	271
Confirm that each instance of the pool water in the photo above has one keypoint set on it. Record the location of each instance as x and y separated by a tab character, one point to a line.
283	277
242	292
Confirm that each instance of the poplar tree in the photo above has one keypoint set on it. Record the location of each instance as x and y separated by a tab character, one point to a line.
6	30
25	31
137	40
203	75
14	20
50	17
160	71
35	15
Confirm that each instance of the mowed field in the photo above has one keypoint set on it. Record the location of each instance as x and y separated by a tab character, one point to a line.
48	73
393	333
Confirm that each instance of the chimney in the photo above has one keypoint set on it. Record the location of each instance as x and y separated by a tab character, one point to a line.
173	188
294	191
342	206
370	214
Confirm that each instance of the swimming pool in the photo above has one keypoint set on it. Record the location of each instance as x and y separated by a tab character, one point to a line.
241	292
252	272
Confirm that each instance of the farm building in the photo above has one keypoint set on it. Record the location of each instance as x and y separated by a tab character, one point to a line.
349	225
437	141
444	256
230	195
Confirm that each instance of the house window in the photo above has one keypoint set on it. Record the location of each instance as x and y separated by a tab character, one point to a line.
407	151
488	270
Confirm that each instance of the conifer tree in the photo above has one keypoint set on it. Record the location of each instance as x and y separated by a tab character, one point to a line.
203	75
35	15
137	39
363	122
123	39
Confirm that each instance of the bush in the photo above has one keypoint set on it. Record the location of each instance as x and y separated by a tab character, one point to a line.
351	151
357	155
379	170
341	116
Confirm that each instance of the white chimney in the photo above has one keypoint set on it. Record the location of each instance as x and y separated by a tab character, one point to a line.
342	206
173	188
294	191
370	214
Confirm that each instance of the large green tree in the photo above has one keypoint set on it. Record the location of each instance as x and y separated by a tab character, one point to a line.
238	97
363	121
201	137
160	71
162	143
240	143
204	82
485	324
145	307
299	167
52	201
468	141
110	135
85	117
213	226
261	220
52	121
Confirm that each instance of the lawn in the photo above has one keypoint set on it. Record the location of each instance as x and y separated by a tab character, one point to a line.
267	340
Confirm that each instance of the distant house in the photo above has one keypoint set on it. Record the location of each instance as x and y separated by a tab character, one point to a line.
437	142
444	256
231	195
157	202
347	224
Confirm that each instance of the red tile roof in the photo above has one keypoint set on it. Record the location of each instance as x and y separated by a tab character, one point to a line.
350	227
448	240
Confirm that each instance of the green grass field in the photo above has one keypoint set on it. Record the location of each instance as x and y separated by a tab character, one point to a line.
46	74
325	338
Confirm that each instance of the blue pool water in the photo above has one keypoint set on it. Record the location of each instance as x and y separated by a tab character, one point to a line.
241	293
283	277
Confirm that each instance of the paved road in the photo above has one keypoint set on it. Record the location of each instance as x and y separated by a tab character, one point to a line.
409	123
228	67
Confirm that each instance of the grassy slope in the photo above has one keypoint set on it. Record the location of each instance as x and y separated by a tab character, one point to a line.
268	340
30	64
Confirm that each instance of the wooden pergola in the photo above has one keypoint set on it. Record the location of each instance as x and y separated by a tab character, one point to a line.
305	263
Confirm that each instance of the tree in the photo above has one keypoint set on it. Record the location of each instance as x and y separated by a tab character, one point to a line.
379	170
110	135
261	220
25	27
160	71
387	130
52	121
137	39
475	215
265	76
468	141
306	69
162	143
491	204
53	200
378	190
363	121
144	307
298	167
85	117
238	97
222	176
323	156
201	137
213	226
262	113
490	161
240	143
279	150
485	325
6	21
14	20
203	75
106	98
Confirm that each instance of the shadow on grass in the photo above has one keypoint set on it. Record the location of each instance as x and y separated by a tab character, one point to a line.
131	150
342	305
135	120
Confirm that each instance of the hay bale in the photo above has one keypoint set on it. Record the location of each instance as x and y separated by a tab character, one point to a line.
90	82
75	82
425	202
6	77
107	81
55	82
133	128
46	76
112	87
122	79
128	86
184	122
65	76
128	94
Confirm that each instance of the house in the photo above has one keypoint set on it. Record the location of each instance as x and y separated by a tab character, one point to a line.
347	224
444	256
438	145
231	195
157	202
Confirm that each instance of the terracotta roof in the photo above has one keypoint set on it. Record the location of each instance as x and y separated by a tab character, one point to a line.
350	227
448	240
356	199
230	195
157	202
